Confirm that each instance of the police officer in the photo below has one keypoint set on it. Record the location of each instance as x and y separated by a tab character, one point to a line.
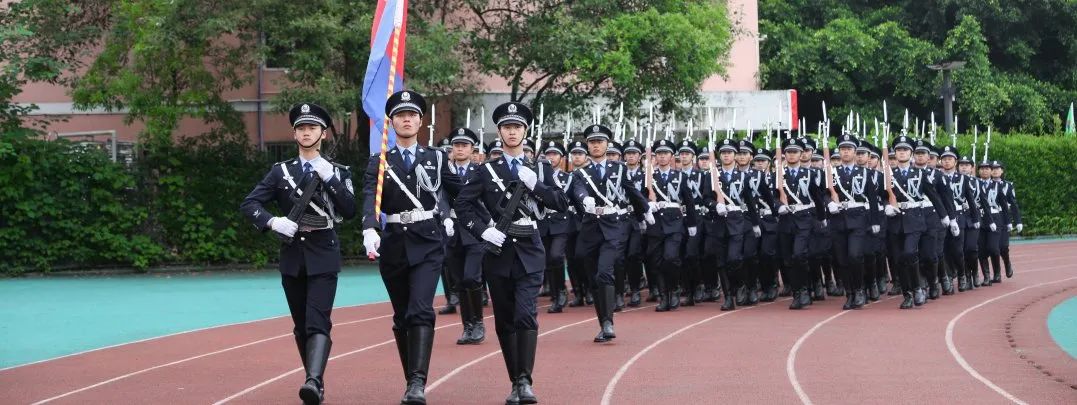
971	247
766	205
994	214
310	260
800	213
514	275
1012	219
581	286
692	264
907	225
633	151
850	218
412	243
672	213
602	193
729	200
966	213
555	229
614	154
464	252
938	221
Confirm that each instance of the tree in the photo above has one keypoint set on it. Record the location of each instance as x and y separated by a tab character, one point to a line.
563	54
1022	56
42	41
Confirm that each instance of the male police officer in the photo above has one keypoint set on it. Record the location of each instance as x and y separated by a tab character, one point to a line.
412	246
556	228
966	213
310	261
850	217
667	222
602	193
798	216
514	275
1012	218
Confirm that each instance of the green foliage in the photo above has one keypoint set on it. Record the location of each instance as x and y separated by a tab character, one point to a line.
564	54
61	204
1021	69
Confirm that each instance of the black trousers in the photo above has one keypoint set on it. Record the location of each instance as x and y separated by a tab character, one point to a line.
577	274
664	255
905	251
555	262
411	290
599	256
634	260
310	301
794	250
849	246
513	294
464	266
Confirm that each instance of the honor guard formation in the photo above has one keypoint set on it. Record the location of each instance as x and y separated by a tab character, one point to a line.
601	219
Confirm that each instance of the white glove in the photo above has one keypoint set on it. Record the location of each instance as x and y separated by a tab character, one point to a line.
823	223
450	230
324	169
954	228
946	221
283	226
371	242
1020	227
1009	227
875	229
756	231
643	226
653	205
891	211
527	176
784	209
993	227
649	218
721	209
976	225
494	236
833	207
692	231
589	204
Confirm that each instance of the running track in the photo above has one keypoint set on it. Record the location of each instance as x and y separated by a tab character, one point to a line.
987	346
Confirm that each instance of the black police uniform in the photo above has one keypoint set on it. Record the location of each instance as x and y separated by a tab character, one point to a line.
762	185
633	260
857	207
577	274
676	213
412	242
515	275
967	215
464	253
600	243
908	229
796	223
693	266
738	218
936	234
995	210
310	263
1013	217
555	227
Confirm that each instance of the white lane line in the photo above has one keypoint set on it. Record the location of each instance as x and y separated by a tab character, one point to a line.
961	359
296	370
169	335
791	359
457	370
181	361
607	395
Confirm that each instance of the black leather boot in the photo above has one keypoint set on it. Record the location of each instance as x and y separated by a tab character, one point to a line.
848	302
654	292
558	304
805	297
634	301
420	344
873	292
660	297
478	328
859	298
508	352
526	343
466	318
729	302
742	295
919	297
619	302
452	299
312	392
985	268
796	302
908	301
996	268
604	313
1009	267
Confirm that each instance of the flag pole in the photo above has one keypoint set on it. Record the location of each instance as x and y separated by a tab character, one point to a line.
398	22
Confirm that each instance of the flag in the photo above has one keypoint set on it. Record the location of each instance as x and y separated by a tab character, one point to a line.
384	68
1070	130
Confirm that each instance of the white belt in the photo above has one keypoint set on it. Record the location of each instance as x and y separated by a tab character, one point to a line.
910	205
408	217
802	207
926	204
996	210
764	212
525	222
847	205
733	208
958	208
600	211
452	214
665	204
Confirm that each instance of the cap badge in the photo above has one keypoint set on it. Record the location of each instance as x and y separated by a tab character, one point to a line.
405	96
304	109
512	108
460	131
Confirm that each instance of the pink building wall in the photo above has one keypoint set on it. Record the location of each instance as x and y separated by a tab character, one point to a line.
55	101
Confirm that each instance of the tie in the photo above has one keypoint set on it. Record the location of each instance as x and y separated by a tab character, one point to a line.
726	176
460	171
904	172
514	167
664	178
307	168
407	160
601	171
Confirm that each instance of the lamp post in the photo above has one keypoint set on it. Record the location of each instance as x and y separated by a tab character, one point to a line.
948	92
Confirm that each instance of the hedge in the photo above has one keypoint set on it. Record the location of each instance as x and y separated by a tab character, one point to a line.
64	206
